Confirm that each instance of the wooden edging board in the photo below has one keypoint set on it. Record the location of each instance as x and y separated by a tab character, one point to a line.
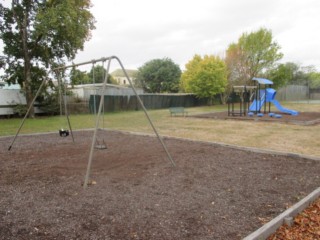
269	228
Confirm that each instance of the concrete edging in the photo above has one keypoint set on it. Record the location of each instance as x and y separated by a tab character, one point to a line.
266	230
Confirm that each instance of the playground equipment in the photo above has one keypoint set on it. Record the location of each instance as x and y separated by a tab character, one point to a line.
242	93
261	97
265	95
62	87
63	133
98	113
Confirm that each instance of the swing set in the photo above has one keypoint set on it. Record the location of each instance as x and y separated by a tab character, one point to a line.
95	144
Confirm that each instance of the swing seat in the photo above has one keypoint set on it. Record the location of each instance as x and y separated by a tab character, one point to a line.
100	145
63	133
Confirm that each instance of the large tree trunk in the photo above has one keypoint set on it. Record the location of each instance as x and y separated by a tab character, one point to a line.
27	87
27	64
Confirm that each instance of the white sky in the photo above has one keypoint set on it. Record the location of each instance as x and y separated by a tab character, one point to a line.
142	30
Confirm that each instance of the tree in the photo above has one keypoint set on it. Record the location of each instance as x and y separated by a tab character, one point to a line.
192	68
205	77
99	73
314	79
292	73
251	55
2	62
281	74
79	77
158	76
287	73
39	35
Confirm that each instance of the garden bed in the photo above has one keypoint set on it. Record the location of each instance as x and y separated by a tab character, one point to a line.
214	192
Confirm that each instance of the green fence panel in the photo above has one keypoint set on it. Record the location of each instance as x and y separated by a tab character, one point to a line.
150	101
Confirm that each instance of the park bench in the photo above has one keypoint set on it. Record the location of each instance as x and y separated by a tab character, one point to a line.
174	111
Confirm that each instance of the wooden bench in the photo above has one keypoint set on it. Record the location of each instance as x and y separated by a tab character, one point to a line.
174	111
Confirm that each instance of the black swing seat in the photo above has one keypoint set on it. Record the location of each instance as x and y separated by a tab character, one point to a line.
63	133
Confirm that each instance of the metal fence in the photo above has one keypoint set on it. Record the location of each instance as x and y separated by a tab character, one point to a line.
297	93
293	93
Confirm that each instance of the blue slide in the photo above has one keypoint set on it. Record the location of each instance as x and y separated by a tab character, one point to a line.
256	105
282	109
271	93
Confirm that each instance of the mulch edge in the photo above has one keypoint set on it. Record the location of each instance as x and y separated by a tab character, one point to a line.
243	148
269	228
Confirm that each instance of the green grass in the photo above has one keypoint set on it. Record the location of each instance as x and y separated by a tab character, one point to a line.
129	121
275	136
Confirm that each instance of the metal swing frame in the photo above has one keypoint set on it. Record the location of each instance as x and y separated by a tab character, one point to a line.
109	59
98	144
62	132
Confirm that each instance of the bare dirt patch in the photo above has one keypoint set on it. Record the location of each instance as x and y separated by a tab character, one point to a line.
214	192
304	118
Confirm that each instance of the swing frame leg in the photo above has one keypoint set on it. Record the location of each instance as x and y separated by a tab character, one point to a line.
86	180
29	109
27	113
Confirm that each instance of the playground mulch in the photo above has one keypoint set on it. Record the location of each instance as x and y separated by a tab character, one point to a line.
214	192
304	118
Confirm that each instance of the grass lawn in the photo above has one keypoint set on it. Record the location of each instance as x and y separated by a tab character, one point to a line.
275	136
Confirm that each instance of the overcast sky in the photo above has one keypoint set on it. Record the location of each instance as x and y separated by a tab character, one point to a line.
141	30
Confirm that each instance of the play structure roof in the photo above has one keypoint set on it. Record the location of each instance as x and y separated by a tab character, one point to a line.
262	80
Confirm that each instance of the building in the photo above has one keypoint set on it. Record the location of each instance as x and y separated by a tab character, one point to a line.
10	96
120	77
85	90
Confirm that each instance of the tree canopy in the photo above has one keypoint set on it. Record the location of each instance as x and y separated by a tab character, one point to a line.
78	77
314	79
294	74
2	61
39	35
204	76
281	74
159	75
96	75
251	55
